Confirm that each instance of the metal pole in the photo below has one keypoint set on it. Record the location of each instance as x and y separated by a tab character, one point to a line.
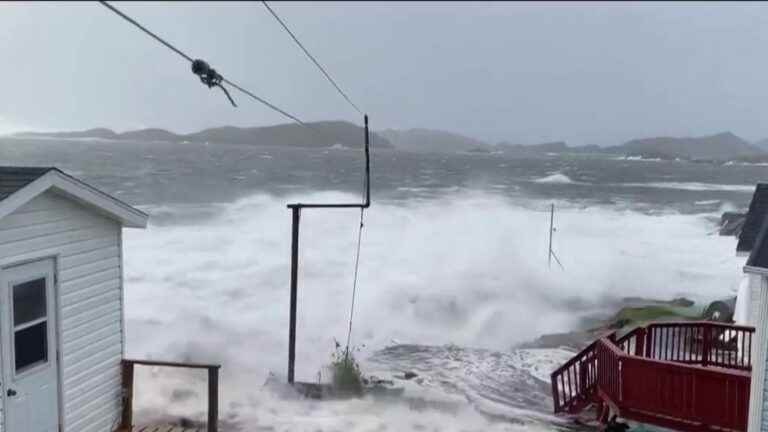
551	224
367	202
294	282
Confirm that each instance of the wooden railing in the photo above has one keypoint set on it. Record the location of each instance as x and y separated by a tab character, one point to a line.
683	397
703	343
609	357
682	375
128	382
574	382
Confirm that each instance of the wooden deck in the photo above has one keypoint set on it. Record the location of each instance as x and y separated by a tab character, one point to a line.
162	428
685	376
126	422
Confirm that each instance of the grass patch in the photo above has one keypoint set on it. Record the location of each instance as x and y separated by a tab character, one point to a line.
639	315
346	376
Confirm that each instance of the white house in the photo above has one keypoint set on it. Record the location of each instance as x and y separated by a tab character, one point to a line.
753	240
61	302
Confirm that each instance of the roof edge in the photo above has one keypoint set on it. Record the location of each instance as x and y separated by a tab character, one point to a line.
77	190
755	270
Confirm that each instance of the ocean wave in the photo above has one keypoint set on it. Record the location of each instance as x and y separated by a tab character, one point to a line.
692	186
555	178
214	288
735	163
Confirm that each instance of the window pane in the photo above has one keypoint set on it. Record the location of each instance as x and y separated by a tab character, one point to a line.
28	301
31	345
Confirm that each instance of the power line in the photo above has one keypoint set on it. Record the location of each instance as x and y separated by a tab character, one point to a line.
147	31
354	283
212	72
311	57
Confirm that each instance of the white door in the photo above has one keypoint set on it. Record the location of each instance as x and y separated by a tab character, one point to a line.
30	370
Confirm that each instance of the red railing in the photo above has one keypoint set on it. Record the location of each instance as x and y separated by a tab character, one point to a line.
609	357
682	375
682	396
573	384
702	343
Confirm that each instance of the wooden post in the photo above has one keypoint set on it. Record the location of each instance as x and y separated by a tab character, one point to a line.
127	419
555	392
706	344
213	399
583	377
294	283
649	342
640	343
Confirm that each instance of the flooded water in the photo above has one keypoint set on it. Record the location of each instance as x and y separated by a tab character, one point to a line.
453	270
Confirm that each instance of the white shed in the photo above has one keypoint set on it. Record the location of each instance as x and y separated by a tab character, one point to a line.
62	334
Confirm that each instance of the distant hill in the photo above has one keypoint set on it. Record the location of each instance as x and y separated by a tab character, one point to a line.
151	134
549	147
719	147
97	133
722	146
763	144
322	134
433	141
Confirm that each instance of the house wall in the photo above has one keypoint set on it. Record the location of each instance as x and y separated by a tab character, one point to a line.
88	256
758	400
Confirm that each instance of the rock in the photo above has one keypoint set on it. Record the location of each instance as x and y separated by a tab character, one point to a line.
681	302
731	223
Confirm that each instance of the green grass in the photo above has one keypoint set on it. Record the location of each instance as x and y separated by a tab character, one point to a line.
346	375
640	315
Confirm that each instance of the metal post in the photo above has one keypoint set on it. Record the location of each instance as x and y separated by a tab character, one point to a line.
213	399
294	282
367	202
551	225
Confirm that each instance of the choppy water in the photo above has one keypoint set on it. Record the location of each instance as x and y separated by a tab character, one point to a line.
453	270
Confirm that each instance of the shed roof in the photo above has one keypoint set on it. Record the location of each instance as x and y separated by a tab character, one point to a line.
759	256
758	211
18	185
15	178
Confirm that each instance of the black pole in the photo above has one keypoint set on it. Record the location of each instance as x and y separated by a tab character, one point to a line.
551	224
296	210
294	283
367	202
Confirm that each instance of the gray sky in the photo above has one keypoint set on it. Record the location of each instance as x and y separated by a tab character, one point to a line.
581	72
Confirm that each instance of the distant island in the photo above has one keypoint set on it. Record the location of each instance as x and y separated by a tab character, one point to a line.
320	134
719	148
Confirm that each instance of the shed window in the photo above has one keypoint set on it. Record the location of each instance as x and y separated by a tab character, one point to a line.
31	346
28	301
30	324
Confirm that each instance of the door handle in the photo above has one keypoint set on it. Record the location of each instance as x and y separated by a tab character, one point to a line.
11	392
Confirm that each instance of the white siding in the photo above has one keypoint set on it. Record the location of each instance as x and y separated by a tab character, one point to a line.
758	315
88	258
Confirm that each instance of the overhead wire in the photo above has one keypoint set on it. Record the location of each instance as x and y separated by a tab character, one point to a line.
354	283
191	60
311	57
211	78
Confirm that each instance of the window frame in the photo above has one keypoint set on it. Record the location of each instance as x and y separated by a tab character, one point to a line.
32	368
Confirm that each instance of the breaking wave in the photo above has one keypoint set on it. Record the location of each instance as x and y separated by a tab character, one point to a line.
692	186
557	178
455	281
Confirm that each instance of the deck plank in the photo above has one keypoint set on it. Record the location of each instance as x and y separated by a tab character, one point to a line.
162	428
